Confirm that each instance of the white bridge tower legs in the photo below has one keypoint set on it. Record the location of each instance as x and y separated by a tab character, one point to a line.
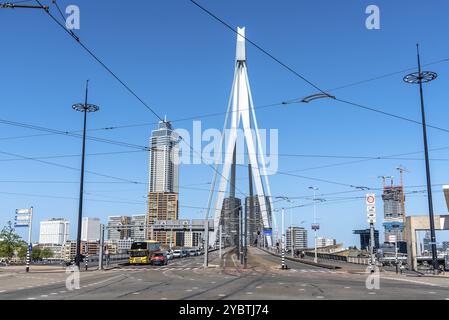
242	110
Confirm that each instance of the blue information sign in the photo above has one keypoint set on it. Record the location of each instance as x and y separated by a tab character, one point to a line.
268	232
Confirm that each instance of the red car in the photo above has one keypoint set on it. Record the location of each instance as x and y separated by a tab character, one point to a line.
159	259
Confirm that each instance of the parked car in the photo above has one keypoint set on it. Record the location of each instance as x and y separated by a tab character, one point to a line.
169	255
177	253
184	253
159	259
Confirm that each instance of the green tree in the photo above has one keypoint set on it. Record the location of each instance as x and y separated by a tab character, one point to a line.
10	241
22	250
46	253
36	253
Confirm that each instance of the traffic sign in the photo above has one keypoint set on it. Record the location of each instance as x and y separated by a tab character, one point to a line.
23	211
268	232
392	238
370	199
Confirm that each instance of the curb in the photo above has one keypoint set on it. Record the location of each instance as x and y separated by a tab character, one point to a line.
326	266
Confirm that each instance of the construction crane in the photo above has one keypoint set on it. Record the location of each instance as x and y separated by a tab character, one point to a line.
384	180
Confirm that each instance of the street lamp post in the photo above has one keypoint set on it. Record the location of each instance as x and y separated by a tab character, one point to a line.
421	77
315	227
85	108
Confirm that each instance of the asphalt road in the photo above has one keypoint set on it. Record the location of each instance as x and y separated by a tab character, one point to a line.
185	279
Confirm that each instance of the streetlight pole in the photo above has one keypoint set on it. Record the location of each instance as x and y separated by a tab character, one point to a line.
315	226
85	108
419	78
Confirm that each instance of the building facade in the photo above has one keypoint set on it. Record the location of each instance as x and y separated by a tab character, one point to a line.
164	159
325	242
163	180
138	227
299	236
90	229
54	231
394	215
119	227
161	206
365	236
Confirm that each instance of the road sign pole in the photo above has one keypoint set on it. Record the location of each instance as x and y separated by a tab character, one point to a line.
396	256
100	261
30	245
372	244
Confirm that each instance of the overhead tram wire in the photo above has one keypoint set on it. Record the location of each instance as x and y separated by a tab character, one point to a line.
96	58
227	25
305	79
78	40
68	167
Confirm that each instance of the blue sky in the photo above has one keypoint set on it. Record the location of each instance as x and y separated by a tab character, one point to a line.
180	61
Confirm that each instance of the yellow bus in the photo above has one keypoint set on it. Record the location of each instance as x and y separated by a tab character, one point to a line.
142	251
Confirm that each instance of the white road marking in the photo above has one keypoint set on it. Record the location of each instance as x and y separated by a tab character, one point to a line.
189	290
319	297
1	291
431	292
371	292
259	287
44	296
222	295
163	298
61	291
136	293
301	289
53	293
249	293
31	299
347	287
413	281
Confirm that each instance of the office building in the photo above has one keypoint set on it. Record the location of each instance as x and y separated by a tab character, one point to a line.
54	231
161	206
119	227
365	238
325	242
164	159
90	229
88	248
138	227
163	180
299	236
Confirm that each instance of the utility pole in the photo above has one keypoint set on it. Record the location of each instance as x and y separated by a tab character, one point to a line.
284	266
421	77
85	108
100	261
315	226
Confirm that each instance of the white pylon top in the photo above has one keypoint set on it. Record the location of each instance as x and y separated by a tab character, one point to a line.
241	49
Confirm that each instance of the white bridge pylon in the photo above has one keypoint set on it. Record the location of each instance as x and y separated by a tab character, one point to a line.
242	107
